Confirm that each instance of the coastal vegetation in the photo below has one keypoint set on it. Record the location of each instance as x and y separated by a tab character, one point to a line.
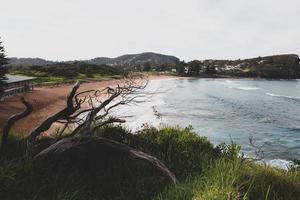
91	156
273	67
203	171
101	160
67	72
3	61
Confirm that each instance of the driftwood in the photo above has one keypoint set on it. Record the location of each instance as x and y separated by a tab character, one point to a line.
12	120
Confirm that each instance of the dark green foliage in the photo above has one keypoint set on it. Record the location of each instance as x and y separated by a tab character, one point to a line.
237	179
110	178
194	67
21	180
147	67
205	172
3	61
180	149
119	134
180	67
274	67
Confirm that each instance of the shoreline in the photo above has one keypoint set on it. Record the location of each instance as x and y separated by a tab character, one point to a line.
47	100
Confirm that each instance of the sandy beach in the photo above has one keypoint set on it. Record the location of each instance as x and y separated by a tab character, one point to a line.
47	101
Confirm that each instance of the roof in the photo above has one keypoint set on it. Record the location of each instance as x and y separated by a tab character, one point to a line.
17	78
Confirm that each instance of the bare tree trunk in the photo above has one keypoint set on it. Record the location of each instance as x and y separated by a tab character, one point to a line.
63	114
86	119
11	121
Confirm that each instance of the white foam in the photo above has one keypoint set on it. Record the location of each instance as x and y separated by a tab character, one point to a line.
278	95
247	88
280	163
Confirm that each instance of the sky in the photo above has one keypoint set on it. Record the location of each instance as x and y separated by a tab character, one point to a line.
188	29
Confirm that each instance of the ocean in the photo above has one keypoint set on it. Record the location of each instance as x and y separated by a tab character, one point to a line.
227	110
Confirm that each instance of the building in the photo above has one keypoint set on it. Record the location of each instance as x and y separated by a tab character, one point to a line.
17	84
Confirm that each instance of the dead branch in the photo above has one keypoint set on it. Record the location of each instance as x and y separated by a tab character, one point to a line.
99	102
259	153
12	120
61	115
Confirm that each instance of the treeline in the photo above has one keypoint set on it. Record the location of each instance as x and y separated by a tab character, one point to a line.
278	66
68	70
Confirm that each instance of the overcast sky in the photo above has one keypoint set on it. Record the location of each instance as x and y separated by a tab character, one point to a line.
188	29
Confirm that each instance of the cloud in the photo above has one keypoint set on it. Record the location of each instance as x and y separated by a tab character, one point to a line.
190	29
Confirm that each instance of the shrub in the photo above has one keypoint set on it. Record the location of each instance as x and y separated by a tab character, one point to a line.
180	149
237	179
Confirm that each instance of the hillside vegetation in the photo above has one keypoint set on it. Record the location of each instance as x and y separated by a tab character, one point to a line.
274	67
67	73
204	172
271	67
124	60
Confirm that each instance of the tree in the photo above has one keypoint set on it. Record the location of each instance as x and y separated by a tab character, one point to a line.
180	67
3	61
195	67
210	70
147	67
85	111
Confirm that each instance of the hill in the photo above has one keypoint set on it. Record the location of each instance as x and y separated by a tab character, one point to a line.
135	59
277	66
13	61
124	60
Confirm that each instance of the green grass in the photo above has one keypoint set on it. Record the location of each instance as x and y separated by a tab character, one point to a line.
181	149
205	172
67	72
53	80
237	179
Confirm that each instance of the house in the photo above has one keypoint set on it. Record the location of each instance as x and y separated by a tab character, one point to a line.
186	69
17	84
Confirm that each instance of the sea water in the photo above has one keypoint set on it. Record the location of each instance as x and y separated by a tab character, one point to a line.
228	110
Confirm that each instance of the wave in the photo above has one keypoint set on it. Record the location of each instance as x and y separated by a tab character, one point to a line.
247	88
277	163
280	163
294	129
283	96
266	120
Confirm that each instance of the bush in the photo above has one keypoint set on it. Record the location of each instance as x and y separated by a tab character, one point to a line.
180	149
66	72
237	179
205	172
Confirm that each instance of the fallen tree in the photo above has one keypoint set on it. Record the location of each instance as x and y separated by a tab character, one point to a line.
85	110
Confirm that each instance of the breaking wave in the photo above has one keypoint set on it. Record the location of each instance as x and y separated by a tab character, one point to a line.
280	163
283	96
247	88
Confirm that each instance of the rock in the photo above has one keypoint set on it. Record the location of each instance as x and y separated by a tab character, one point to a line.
106	162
